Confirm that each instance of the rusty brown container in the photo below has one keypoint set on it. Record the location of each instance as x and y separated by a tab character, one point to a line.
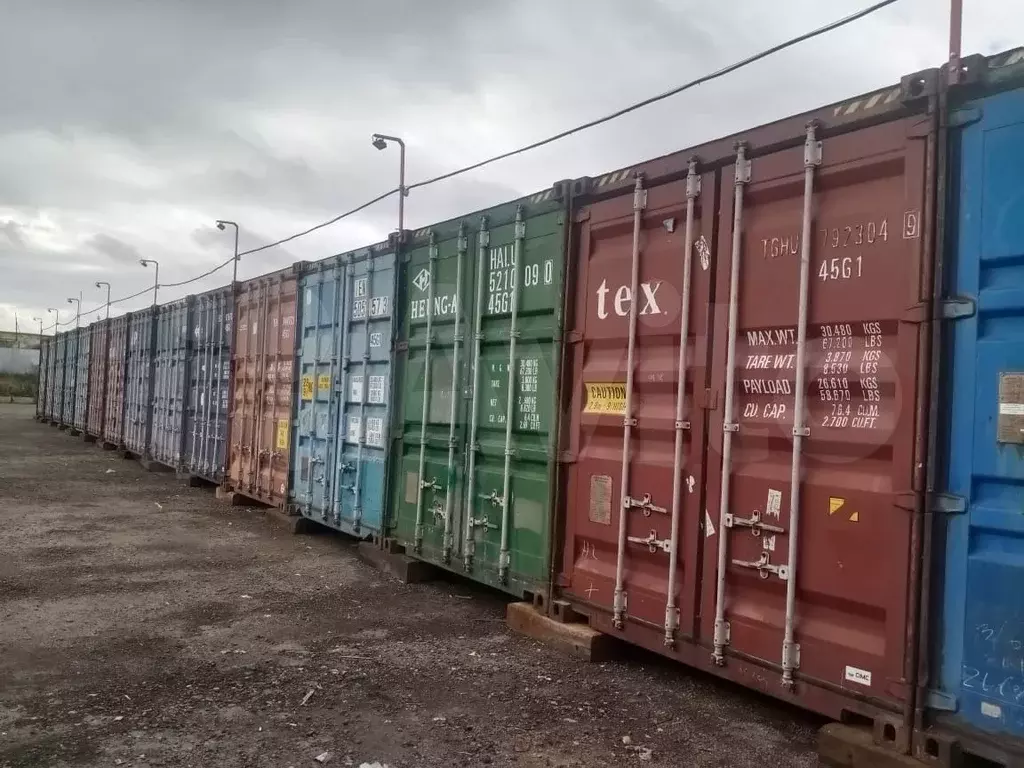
261	392
99	337
719	551
117	371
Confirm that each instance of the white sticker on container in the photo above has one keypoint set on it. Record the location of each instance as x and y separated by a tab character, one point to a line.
690	482
704	251
309	296
859	676
360	288
709	527
774	505
355	389
376	392
375	431
352	432
991	710
1011	409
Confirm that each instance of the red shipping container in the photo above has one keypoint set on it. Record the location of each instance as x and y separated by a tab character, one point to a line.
262	371
704	567
99	336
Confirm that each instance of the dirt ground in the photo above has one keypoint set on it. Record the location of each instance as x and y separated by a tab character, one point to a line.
143	623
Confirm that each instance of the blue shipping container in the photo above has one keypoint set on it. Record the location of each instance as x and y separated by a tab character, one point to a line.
209	374
338	469
981	659
170	364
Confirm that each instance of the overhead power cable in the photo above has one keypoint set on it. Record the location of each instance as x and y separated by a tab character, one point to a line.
830	27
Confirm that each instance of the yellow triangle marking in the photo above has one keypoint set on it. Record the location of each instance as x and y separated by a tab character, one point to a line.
855	517
834	503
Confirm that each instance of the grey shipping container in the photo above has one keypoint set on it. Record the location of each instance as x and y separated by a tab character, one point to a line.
170	363
139	382
80	387
208	383
44	370
117	372
62	379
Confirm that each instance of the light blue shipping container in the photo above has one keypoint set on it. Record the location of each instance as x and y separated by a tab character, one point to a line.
338	468
979	644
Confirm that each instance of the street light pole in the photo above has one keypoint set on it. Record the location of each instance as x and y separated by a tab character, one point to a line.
221	224
78	309
100	284
380	141
156	277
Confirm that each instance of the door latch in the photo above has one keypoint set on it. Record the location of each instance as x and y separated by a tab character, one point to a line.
643	504
652	542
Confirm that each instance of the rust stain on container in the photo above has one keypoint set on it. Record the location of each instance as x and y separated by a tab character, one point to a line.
262	373
848	569
99	337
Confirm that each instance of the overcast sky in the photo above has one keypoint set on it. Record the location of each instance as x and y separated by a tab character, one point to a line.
128	126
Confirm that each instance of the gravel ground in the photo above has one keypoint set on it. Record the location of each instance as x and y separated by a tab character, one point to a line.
143	623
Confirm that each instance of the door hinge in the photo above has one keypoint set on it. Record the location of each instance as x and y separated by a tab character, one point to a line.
574	337
936	503
964	117
582	216
957	308
402	346
567	457
940	700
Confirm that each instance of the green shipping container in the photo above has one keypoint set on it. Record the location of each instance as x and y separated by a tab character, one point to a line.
480	317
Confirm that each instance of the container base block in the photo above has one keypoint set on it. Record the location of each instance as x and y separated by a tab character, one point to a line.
152	465
847	746
87	438
293	524
232	498
576	639
407	570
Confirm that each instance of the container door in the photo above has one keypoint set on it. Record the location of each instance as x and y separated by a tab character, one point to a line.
427	510
515	380
627	463
982	655
312	481
362	430
813	443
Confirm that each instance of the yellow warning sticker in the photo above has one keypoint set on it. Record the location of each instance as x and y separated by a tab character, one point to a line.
307	387
282	435
834	504
605	398
855	517
323	382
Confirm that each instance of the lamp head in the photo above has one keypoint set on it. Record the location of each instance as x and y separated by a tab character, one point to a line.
144	262
220	225
379	142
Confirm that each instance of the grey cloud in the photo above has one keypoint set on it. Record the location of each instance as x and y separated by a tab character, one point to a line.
114	249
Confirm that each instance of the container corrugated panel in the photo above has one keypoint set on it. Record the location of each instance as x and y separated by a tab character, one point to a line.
338	472
697	525
83	347
67	411
477	383
980	633
209	377
44	377
99	351
55	402
171	355
117	373
262	376
138	408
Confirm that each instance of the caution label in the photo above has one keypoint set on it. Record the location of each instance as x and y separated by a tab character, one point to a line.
605	398
282	435
834	504
307	387
323	382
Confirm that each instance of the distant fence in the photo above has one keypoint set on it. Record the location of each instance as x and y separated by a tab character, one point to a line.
19	360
